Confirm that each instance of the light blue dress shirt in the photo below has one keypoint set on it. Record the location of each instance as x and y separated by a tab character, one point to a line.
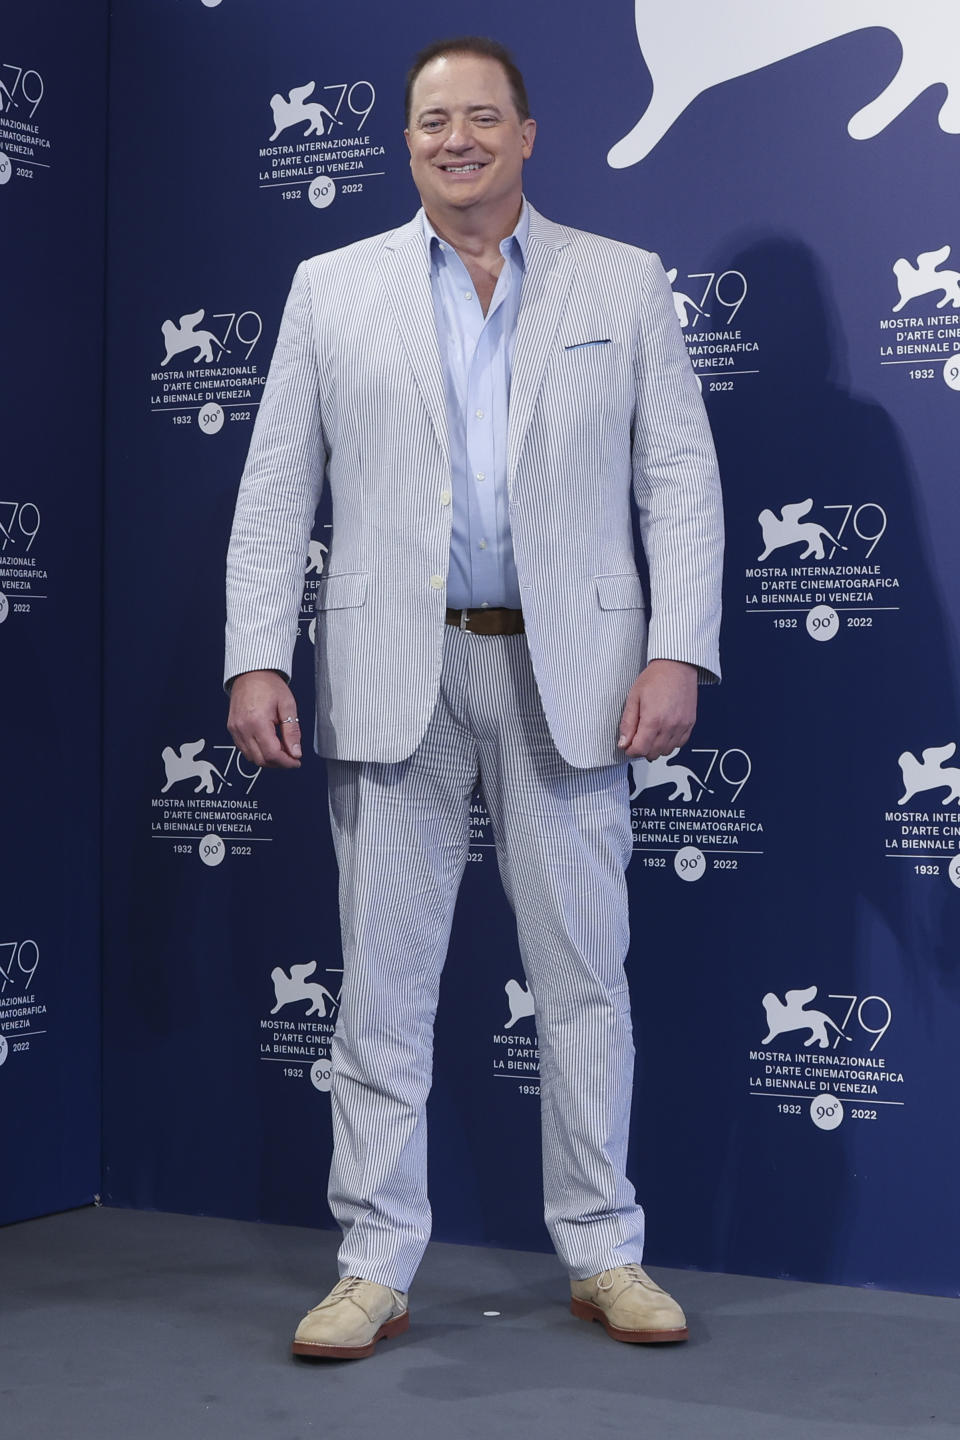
476	352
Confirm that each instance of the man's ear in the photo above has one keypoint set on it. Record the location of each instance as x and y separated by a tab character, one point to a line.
529	132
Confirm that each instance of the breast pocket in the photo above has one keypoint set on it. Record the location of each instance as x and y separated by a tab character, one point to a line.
590	370
340	592
588	349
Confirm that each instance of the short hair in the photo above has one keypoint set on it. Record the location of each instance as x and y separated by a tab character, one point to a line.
480	45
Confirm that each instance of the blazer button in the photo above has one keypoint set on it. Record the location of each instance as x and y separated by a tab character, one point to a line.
436	581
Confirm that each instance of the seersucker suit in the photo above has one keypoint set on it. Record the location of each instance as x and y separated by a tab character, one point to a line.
355	398
605	412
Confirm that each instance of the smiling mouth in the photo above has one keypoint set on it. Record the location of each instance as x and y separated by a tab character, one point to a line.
469	169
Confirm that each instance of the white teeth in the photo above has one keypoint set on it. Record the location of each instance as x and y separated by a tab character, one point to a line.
460	169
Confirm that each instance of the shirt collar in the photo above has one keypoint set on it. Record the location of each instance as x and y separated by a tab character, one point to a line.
519	235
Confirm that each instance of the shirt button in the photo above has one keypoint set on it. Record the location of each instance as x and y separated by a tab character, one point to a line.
479	414
436	582
444	497
484	604
481	475
467	295
482	545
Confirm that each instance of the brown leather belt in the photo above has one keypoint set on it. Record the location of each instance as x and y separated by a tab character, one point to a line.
491	620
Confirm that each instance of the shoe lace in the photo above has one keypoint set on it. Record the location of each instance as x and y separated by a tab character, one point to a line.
636	1274
343	1290
346	1286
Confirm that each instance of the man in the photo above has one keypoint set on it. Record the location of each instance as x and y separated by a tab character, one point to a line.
483	390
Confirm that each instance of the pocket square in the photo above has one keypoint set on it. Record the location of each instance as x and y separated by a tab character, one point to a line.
582	344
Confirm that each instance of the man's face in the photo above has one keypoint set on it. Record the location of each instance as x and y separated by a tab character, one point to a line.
467	143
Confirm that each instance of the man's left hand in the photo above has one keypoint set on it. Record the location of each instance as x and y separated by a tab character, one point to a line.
660	711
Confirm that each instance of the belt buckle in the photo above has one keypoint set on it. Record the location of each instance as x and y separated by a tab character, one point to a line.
464	618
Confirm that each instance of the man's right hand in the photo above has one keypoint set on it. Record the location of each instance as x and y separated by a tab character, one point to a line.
263	719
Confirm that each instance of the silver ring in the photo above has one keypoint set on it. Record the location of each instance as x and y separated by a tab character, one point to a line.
290	720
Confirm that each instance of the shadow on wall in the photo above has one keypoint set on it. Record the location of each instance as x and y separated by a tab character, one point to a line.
856	704
824	905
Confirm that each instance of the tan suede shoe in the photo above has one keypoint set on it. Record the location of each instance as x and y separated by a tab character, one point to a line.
349	1322
629	1306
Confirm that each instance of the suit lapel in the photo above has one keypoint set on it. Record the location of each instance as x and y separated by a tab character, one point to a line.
547	278
548	275
405	272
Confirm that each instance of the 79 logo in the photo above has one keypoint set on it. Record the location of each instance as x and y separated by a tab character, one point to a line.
871	1015
297	108
723	773
857	528
188	764
360	97
18	963
867	523
728	769
185	335
246	327
236	764
19	525
724	291
19	89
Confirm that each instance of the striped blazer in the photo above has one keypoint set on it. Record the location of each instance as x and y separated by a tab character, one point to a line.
604	406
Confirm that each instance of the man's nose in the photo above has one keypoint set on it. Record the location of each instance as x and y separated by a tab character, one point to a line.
460	137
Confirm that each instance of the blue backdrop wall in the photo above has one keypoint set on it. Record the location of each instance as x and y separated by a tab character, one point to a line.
53	63
796	882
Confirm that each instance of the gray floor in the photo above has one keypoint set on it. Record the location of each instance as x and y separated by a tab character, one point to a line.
132	1326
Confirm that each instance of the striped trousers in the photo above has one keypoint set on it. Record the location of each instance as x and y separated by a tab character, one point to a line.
562	835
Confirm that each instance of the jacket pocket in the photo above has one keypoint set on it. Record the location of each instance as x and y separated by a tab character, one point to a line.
620	592
339	592
587	344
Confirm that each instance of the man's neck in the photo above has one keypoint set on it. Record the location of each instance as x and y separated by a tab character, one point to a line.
476	234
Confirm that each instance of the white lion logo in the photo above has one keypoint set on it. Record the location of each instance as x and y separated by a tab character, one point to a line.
520	1001
926	278
786	529
184	336
288	989
694	45
791	1015
928	773
649	774
183	764
295	111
